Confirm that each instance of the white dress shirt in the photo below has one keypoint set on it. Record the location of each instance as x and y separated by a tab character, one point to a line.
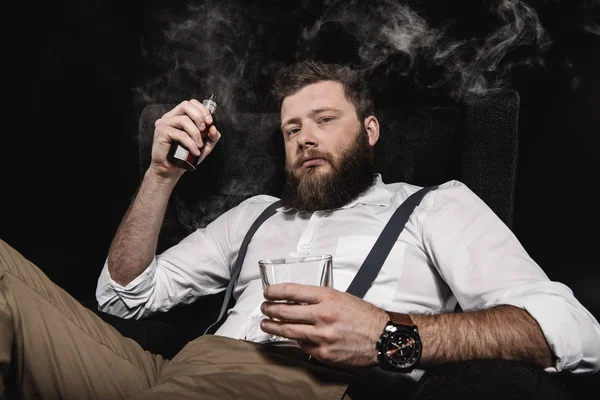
453	248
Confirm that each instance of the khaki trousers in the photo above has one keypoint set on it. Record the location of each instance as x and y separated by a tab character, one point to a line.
55	348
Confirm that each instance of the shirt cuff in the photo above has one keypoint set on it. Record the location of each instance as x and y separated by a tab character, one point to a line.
560	329
134	294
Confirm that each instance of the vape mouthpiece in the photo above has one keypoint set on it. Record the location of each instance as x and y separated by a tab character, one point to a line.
211	103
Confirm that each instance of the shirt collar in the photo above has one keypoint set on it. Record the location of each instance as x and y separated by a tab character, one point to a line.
378	194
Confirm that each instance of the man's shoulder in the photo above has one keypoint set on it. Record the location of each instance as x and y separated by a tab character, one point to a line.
248	210
451	193
452	190
256	204
455	187
406	189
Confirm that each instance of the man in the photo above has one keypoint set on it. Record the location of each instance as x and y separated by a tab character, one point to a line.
453	248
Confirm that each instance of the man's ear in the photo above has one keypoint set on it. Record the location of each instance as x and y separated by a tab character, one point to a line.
372	127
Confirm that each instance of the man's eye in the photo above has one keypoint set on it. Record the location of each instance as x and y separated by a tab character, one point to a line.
293	131
325	119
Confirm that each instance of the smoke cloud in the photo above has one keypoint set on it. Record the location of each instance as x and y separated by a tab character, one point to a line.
589	17
219	47
234	48
389	30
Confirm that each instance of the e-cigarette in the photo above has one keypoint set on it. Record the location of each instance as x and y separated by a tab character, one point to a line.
179	154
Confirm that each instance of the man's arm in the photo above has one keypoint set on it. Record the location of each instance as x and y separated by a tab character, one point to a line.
501	332
134	244
338	328
508	301
135	241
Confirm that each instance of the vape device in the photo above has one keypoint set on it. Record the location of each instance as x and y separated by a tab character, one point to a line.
179	154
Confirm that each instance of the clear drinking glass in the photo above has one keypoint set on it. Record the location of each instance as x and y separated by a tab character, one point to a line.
315	270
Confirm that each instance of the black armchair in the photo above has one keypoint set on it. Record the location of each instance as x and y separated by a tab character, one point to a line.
475	141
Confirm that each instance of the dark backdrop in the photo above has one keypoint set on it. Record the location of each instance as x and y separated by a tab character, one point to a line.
69	161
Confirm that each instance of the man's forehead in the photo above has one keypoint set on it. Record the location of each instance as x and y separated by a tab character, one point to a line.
320	95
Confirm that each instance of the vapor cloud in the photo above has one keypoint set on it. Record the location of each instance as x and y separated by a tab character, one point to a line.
210	47
475	65
232	48
235	47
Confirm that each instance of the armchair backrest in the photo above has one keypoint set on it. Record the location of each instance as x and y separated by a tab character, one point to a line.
475	142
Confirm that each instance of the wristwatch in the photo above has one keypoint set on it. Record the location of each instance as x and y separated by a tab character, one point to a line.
399	347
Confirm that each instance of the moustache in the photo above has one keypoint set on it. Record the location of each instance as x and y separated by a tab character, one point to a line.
313	154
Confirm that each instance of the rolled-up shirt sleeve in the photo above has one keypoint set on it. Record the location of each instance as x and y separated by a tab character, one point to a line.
125	301
485	265
197	266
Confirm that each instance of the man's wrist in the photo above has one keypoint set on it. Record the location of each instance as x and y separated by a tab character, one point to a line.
400	318
156	179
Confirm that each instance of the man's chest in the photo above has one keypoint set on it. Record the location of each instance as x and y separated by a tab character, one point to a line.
348	237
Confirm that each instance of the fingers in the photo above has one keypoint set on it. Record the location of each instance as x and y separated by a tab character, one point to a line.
296	293
302	304
181	129
191	124
212	138
290	330
207	116
191	116
195	110
298	313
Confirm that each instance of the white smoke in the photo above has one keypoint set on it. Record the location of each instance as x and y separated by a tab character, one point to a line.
389	28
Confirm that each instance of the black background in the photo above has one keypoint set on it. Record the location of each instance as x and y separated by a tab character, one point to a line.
69	154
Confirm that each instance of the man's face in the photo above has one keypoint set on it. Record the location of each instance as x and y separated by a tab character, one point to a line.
328	150
318	125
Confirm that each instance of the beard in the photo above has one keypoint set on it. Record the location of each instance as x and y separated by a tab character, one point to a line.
350	177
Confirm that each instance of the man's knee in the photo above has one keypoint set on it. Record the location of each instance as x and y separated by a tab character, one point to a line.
9	258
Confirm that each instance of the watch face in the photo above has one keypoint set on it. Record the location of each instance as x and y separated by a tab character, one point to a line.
403	348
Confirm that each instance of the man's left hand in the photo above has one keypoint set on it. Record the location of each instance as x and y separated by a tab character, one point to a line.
332	326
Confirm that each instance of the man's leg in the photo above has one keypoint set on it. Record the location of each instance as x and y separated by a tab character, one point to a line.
57	348
215	367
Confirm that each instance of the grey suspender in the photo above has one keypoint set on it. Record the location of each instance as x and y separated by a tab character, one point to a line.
368	270
235	273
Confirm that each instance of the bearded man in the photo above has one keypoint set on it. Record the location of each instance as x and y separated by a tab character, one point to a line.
453	249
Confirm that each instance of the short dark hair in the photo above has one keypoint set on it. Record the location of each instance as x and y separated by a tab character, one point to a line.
291	78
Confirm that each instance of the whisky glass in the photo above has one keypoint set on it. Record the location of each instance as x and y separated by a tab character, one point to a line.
314	270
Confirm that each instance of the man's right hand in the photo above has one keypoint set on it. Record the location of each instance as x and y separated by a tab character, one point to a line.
186	123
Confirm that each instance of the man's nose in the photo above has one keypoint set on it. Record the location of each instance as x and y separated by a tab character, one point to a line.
307	137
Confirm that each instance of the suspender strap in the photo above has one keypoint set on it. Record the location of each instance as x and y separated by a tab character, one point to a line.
235	273
368	270
386	240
